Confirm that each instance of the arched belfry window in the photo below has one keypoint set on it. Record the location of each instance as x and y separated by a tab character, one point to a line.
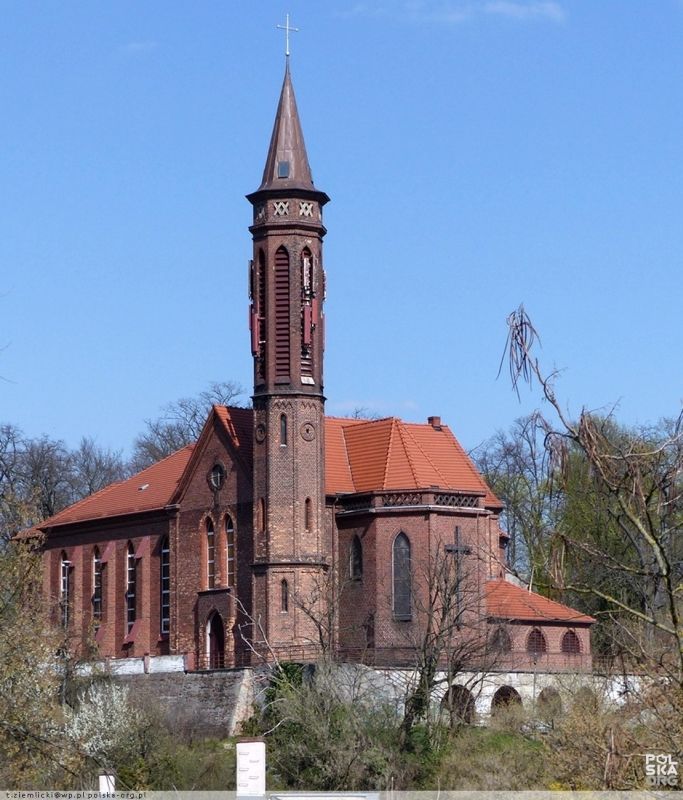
282	302
231	564
284	596
283	430
210	555
402	585
97	595
356	559
165	586
131	587
307	315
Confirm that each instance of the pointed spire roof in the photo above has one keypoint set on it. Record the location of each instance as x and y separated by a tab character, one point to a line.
287	163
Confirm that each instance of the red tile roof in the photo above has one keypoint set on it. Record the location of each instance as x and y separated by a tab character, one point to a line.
504	600
360	456
376	455
149	490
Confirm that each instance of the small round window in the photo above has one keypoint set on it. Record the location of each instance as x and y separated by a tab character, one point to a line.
217	477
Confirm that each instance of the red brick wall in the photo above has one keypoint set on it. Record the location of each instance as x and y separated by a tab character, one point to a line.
112	542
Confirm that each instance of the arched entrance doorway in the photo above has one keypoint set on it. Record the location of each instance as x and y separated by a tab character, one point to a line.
215	641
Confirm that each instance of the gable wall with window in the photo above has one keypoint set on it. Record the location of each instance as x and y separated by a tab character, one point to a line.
199	502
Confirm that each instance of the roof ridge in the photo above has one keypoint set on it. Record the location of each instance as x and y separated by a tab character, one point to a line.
403	432
423	451
363	421
388	453
446	429
348	460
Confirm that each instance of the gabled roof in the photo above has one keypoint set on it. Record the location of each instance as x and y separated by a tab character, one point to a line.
504	600
148	490
360	456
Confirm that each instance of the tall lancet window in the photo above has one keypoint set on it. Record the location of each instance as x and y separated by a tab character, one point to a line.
356	559
165	586
65	593
282	303
230	551
97	594
131	586
210	555
402	583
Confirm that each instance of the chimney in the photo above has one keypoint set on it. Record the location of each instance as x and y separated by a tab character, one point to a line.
435	422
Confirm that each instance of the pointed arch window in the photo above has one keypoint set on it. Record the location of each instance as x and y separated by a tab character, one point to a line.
570	643
165	585
65	589
308	514
97	599
284	596
231	564
536	644
210	555
261	516
500	640
131	587
402	583
283	430
356	559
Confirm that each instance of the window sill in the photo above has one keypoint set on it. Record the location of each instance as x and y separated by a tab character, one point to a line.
130	636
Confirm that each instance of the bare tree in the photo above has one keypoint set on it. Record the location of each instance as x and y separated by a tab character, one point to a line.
448	634
94	467
517	466
638	480
39	477
181	423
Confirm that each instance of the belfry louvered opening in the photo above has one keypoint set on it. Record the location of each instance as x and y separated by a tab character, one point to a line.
282	336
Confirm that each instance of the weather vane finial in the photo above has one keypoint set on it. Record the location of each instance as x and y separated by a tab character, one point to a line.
287	28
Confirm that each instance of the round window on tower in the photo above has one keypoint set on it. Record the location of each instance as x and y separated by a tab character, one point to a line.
217	476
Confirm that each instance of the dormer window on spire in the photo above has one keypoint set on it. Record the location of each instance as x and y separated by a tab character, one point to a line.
283	169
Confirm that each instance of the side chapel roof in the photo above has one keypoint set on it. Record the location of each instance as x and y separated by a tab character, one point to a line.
504	600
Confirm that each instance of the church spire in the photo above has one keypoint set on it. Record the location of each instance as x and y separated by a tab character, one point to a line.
287	163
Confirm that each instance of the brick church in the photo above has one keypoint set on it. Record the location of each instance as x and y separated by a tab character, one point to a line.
281	531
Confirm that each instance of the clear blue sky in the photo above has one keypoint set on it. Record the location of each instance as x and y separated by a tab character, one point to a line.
478	153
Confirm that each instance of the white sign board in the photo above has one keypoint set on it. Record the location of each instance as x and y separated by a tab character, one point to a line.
107	784
251	769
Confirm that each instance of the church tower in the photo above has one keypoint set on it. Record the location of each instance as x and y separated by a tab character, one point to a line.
287	288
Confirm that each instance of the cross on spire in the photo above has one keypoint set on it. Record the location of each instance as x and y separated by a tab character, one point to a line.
287	28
